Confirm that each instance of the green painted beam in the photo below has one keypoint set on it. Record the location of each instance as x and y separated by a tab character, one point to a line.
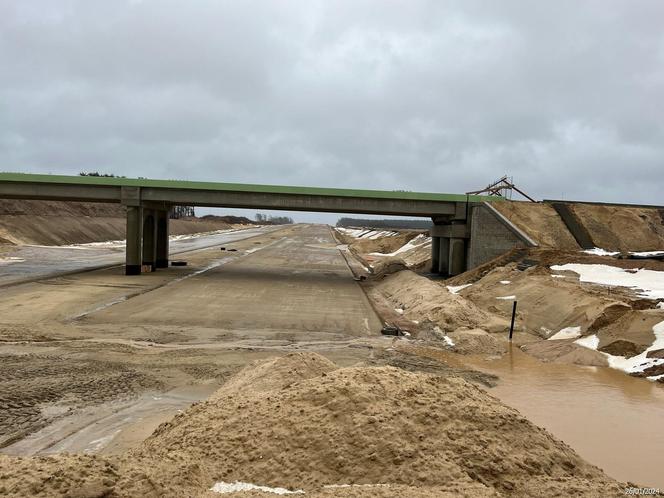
240	187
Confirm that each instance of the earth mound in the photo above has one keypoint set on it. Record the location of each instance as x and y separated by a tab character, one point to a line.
298	422
422	299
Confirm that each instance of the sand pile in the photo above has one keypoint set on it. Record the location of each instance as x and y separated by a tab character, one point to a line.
476	341
315	425
276	373
565	351
422	299
359	426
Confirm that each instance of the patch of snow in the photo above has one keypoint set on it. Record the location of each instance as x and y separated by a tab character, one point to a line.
448	341
399	310
505	282
656	377
547	332
367	233
636	363
597	251
97	444
11	259
415	322
660	305
558	276
506	298
566	333
418	241
590	342
455	289
641	361
649	283
234	487
646	254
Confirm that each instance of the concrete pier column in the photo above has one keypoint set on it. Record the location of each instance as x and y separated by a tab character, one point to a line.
162	238
435	254
133	252
457	256
444	256
149	238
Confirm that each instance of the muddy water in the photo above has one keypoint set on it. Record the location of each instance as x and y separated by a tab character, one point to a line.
612	420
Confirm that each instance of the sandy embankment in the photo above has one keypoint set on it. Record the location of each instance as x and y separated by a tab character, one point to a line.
556	310
383	252
60	223
301	423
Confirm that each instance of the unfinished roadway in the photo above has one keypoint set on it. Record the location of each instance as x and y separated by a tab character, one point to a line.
111	358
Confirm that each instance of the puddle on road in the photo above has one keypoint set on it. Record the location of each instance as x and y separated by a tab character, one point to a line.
611	419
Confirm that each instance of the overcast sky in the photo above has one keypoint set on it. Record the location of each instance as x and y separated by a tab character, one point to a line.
445	96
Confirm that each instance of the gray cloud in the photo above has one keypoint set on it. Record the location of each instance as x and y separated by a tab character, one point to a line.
420	95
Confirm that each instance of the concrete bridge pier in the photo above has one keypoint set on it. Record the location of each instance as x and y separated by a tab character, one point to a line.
134	251
448	246
149	239
162	238
435	254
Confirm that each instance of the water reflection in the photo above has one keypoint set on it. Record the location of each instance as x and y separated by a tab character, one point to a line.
611	419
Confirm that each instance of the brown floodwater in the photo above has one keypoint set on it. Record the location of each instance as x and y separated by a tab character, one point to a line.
611	419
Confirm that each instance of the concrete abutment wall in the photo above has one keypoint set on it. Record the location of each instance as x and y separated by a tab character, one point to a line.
464	243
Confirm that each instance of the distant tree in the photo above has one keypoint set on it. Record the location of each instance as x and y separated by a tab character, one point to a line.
97	173
273	220
281	220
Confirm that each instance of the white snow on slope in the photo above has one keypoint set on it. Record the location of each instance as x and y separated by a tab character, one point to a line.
649	282
598	251
367	233
641	361
418	241
10	259
506	298
234	487
636	363
455	289
566	333
590	342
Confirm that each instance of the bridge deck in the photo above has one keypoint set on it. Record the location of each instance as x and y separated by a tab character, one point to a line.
26	178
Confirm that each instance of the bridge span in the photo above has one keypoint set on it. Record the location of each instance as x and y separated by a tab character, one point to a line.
149	201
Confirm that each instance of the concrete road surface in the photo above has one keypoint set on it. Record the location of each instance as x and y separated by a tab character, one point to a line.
94	361
294	282
30	262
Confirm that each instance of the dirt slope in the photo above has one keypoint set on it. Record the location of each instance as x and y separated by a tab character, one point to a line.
620	228
59	223
319	425
614	228
539	221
